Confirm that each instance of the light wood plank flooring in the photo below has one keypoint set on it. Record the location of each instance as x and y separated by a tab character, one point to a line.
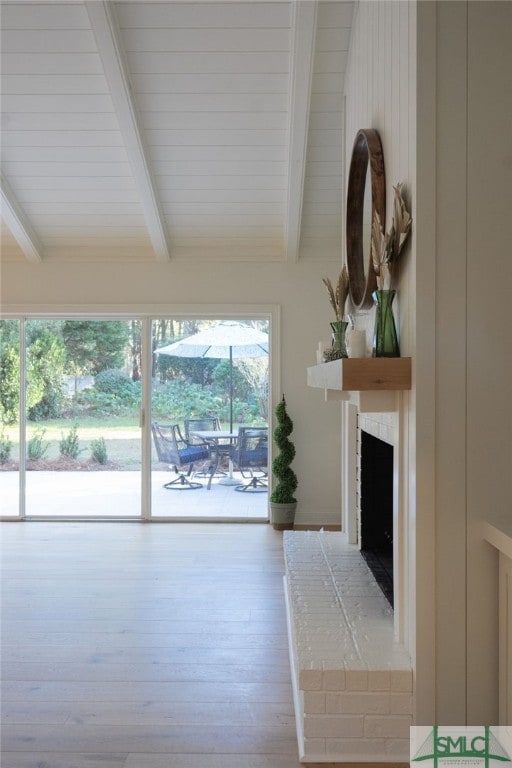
144	646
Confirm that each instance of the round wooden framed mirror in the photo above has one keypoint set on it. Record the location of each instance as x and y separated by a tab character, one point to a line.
366	194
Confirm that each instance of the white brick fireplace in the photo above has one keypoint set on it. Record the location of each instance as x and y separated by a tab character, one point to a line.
386	425
352	682
351	670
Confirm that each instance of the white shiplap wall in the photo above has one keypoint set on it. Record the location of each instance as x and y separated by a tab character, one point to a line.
377	92
381	94
378	95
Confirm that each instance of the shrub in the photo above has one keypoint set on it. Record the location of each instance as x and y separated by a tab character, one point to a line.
284	474
114	382
69	445
5	448
100	403
114	393
176	400
36	449
49	407
99	450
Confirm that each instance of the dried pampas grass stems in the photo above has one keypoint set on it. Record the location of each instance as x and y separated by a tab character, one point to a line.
338	296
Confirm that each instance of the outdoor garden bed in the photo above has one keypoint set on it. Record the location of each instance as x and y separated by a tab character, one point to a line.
63	464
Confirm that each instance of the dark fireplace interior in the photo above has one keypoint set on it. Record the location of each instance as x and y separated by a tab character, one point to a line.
377	510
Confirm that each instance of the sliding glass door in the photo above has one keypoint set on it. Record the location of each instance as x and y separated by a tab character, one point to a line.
10	387
81	400
82	418
208	375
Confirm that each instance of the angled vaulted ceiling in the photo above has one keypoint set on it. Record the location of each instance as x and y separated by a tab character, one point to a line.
172	130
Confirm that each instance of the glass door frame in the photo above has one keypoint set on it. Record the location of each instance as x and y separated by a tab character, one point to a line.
84	316
145	314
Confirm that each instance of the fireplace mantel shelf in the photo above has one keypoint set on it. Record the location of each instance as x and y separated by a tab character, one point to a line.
370	382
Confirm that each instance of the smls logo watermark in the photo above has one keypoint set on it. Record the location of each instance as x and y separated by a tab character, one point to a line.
475	746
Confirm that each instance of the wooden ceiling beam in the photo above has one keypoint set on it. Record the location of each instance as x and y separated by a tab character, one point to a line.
302	57
18	223
108	39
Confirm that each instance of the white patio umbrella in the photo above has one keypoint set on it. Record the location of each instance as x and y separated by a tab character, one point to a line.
228	340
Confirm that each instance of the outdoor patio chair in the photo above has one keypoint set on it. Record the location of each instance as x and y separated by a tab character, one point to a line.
208	423
219	452
250	456
173	449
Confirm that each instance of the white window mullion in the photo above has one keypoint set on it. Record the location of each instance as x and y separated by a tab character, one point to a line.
147	358
23	418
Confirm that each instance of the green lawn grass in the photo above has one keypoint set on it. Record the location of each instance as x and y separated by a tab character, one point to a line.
122	435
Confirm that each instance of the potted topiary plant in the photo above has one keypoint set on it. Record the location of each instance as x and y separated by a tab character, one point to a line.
282	502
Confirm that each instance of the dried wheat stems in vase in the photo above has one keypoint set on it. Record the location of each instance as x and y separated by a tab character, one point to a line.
338	296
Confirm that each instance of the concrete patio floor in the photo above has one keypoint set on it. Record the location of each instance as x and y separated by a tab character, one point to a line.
118	495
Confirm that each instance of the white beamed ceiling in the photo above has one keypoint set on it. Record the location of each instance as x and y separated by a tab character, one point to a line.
172	130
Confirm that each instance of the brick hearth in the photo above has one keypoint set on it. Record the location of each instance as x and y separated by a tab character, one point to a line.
352	682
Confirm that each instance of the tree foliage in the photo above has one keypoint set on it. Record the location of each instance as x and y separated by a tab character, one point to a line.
59	349
45	370
9	371
46	358
95	345
9	385
196	370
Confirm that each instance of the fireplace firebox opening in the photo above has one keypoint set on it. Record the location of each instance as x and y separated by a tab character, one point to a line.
376	505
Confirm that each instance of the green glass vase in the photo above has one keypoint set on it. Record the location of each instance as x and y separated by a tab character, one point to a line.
339	344
385	340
